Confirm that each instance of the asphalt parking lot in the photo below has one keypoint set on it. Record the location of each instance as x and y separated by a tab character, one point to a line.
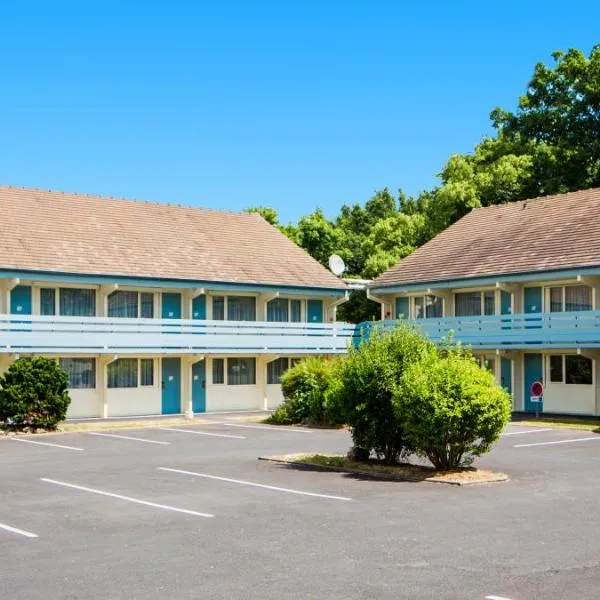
189	512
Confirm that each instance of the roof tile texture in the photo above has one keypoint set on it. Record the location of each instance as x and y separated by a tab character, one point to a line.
74	233
546	233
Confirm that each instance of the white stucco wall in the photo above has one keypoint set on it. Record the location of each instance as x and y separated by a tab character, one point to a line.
233	397
274	396
570	399
124	402
85	403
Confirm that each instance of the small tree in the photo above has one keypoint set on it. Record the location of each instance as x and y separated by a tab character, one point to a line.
33	393
452	409
304	387
364	387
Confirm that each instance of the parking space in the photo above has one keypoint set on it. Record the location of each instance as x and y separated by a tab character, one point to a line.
174	512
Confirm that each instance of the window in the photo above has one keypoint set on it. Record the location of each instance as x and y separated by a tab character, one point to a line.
572	369
218	308
278	310
47	301
218	370
241	308
296	311
429	307
123	304
146	305
570	298
123	373
146	371
489	364
241	371
275	369
81	372
556	369
76	302
474	304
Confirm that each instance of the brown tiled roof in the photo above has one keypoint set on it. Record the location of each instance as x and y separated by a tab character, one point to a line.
551	232
74	233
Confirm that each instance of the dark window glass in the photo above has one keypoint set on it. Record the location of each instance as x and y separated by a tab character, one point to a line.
275	369
296	311
489	303
578	297
241	371
218	370
146	371
277	310
122	373
467	304
241	308
81	372
218	308
578	370
77	302
434	307
146	305
47	301
556	299
556	369
123	304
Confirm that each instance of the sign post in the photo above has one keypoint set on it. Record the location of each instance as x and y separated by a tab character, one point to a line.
537	396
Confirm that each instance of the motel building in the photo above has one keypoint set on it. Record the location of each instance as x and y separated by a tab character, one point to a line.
159	309
520	284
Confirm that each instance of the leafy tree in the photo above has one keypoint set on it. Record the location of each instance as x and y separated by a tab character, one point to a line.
33	394
451	409
267	213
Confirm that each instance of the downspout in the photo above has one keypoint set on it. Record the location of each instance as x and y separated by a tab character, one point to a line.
333	306
378	299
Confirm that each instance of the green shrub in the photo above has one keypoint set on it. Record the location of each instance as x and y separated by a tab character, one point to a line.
33	394
304	387
364	386
452	409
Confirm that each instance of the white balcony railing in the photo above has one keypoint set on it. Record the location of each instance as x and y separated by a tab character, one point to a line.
99	335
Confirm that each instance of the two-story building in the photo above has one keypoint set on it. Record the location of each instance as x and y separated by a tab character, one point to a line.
159	309
520	284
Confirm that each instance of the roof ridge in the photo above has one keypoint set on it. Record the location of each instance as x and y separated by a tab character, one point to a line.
123	199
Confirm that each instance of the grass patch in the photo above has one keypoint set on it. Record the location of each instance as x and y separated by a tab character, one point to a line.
401	472
583	423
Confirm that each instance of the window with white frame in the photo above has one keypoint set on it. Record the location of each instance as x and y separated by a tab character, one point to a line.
218	371
146	371
71	302
81	372
131	304
572	369
475	304
127	372
284	310
428	307
570	298
241	371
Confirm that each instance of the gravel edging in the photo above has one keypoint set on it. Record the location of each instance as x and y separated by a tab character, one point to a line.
383	476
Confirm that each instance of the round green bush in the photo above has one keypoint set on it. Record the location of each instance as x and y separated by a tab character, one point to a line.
364	386
304	387
452	409
33	394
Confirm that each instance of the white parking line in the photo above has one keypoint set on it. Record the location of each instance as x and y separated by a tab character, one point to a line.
585	439
128	437
17	439
496	598
223	435
27	534
528	431
128	498
259	485
267	427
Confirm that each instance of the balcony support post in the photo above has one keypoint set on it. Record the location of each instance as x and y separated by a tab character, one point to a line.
187	383
103	362
332	307
386	305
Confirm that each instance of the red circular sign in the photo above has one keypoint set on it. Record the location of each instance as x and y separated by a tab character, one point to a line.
537	389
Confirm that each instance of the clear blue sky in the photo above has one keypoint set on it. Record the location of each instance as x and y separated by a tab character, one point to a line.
291	104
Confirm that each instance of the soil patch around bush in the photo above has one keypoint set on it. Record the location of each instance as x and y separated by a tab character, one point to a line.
377	470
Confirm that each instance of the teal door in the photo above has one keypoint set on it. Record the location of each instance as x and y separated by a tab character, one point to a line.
401	308
171	386
199	307
534	371
20	300
533	300
199	387
314	309
506	374
171	305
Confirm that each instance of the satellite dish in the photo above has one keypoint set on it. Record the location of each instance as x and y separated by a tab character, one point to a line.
336	264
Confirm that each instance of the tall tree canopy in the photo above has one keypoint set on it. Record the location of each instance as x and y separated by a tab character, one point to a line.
549	145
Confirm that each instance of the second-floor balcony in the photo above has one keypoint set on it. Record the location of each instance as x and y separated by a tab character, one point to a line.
516	332
27	334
